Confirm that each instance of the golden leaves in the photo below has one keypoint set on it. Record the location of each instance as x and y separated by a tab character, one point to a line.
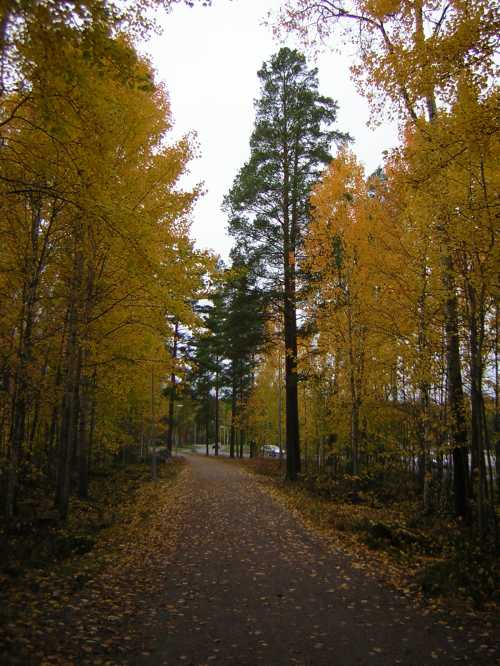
100	226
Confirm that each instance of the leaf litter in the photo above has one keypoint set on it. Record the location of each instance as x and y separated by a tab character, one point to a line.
94	608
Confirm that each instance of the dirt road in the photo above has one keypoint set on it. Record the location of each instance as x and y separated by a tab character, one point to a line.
249	586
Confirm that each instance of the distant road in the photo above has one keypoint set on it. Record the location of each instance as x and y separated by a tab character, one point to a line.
201	450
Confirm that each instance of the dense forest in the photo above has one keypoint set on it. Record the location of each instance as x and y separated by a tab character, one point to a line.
356	324
96	260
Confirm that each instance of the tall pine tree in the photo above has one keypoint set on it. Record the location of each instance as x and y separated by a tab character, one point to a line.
268	205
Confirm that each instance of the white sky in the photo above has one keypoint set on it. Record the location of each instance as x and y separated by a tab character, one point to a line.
208	58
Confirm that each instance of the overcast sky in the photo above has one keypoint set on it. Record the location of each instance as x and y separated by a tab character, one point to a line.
209	58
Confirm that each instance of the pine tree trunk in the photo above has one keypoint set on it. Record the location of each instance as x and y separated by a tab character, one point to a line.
234	408
291	378
207	427
242	443
217	410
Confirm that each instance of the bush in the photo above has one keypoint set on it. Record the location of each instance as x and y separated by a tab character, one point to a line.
66	544
383	535
471	570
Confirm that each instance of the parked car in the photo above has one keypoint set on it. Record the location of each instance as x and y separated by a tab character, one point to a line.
271	451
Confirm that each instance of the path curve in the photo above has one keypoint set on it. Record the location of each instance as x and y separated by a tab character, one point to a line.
249	586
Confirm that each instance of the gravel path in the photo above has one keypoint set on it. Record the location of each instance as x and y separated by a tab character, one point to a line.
249	586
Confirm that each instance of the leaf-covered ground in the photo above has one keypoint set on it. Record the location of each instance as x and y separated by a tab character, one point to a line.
256	586
431	558
97	607
211	566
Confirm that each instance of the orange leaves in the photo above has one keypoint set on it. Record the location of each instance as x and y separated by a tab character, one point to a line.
340	238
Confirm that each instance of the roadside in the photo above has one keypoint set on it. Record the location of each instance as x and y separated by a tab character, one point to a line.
430	562
79	596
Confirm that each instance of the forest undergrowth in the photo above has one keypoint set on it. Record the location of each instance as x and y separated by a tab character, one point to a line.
65	586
